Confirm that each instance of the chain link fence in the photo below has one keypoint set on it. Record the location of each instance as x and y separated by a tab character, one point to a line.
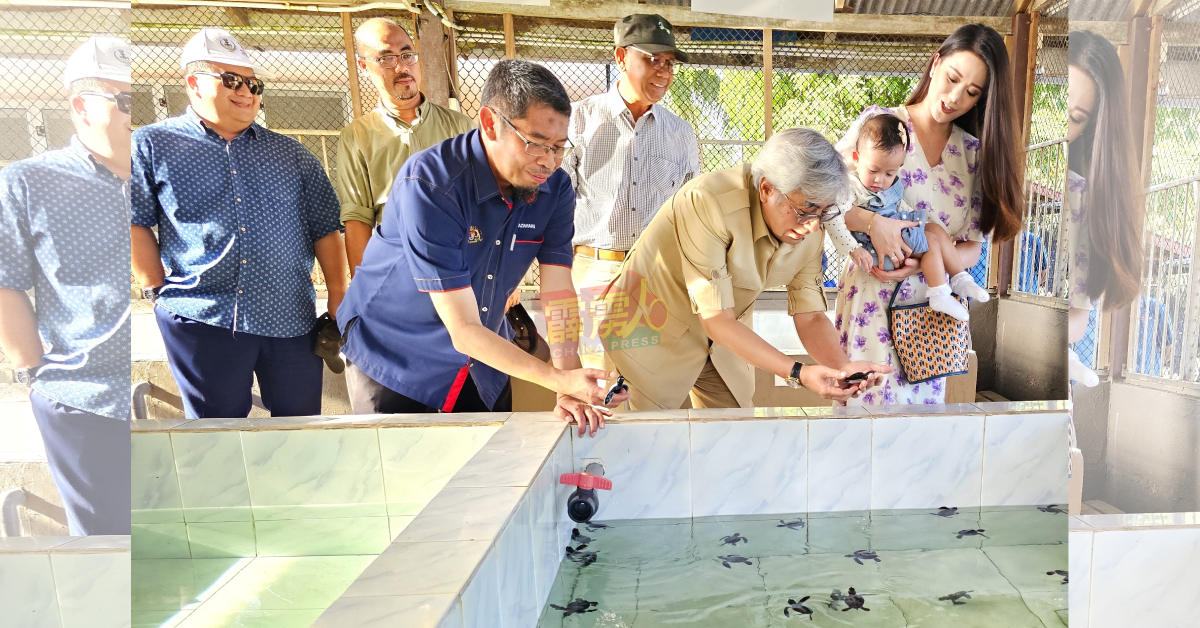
35	44
1166	317
1041	245
34	47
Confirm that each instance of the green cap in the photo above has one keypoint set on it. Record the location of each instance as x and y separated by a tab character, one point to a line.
649	32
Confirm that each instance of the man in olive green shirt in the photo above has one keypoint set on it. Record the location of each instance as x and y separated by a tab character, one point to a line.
373	147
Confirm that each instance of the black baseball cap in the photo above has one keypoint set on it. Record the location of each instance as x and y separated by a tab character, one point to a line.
648	32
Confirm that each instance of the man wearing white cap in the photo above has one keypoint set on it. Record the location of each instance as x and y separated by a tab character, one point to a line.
62	234
241	213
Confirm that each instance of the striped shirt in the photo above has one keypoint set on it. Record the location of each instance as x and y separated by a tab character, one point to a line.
623	172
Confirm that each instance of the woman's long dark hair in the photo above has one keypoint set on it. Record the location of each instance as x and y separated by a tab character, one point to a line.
993	121
1103	155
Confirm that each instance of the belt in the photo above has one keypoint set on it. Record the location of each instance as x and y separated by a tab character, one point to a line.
600	254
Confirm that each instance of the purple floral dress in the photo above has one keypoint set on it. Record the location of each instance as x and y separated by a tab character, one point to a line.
950	193
1077	247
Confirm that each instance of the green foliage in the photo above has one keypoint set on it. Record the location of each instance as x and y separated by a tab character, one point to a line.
830	103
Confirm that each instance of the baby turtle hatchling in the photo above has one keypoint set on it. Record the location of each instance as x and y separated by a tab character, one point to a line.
791	525
583	558
1058	572
580	538
576	607
854	601
946	512
734	539
798	607
592	527
1052	509
955	598
725	560
860	555
962	533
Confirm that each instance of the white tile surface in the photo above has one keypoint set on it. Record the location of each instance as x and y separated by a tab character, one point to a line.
27	596
926	462
544	520
419	569
93	589
1145	578
1025	459
462	514
481	598
518	603
562	463
1079	589
155	487
649	466
749	467
839	465
409	611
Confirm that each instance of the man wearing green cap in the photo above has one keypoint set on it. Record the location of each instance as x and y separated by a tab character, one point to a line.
630	156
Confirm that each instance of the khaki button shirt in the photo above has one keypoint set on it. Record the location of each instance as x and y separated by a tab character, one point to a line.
373	147
707	248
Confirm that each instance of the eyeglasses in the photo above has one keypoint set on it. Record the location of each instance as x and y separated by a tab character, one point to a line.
659	62
124	100
391	61
824	214
235	81
534	149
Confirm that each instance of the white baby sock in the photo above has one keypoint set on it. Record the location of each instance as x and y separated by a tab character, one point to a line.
1077	371
941	301
963	284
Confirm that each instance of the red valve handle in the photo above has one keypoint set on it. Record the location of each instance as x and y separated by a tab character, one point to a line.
586	481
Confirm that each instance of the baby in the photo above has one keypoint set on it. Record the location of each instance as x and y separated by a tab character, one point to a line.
878	155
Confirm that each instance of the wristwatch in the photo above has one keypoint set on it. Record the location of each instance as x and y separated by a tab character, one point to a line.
25	376
793	380
151	294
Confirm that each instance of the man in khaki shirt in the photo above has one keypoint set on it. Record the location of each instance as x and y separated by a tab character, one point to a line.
679	313
373	147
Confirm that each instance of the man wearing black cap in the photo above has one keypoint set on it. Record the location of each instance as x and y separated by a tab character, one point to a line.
630	156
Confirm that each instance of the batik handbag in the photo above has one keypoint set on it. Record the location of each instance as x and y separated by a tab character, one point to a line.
930	344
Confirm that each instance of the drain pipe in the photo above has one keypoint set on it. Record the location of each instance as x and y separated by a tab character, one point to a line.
138	400
583	503
10	525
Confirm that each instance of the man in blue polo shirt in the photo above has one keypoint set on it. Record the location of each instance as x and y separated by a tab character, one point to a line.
424	318
241	212
62	234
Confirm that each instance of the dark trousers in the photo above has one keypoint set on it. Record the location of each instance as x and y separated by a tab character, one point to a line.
368	396
215	369
89	460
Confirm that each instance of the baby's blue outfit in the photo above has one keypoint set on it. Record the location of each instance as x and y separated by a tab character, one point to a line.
887	204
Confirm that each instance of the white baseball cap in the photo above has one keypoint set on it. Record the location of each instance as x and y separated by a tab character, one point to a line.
216	45
99	57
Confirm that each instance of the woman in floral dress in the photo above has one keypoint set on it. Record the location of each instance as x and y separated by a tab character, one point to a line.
962	166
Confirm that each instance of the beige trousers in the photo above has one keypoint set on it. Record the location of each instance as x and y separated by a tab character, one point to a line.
709	391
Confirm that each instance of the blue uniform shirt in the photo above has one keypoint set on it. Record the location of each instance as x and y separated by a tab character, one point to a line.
63	233
236	223
446	227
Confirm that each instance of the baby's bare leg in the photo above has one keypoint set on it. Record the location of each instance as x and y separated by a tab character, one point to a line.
940	240
932	264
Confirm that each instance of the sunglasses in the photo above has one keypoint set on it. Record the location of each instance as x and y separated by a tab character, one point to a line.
235	81
124	100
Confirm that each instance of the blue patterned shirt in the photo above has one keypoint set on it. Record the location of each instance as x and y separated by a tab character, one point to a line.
236	221
63	234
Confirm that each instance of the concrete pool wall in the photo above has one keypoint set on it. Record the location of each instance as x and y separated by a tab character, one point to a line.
64	581
485	550
1135	570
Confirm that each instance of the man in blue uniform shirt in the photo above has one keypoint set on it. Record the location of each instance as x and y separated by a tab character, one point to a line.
62	234
424	321
241	212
